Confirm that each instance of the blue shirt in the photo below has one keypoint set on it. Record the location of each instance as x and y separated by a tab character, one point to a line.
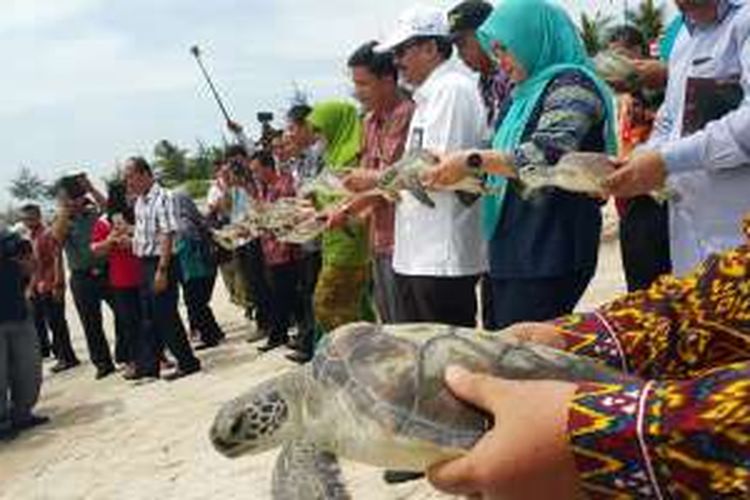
710	169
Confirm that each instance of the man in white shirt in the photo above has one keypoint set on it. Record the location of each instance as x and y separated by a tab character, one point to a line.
439	252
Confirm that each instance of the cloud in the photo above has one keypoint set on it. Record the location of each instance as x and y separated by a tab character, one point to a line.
25	14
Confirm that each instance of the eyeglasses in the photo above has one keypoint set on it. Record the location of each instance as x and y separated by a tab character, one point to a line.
400	50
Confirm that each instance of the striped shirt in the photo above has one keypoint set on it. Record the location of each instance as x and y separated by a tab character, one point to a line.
154	218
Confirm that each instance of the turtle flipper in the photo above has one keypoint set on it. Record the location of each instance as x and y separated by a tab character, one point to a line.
305	472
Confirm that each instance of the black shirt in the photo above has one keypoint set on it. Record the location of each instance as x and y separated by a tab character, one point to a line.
13	305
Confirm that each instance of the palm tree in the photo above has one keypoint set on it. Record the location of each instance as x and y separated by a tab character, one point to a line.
593	30
649	18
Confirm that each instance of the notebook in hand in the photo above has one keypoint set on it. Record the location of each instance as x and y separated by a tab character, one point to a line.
709	99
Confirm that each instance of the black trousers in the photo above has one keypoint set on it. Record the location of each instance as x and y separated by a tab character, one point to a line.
308	269
451	301
132	338
537	299
253	269
283	280
197	294
644	242
488	305
89	291
49	315
162	321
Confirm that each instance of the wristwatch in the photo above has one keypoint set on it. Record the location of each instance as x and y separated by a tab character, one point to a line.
474	161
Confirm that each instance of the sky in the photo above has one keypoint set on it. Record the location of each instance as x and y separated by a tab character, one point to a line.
87	83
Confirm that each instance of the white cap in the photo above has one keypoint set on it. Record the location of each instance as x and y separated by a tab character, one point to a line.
417	21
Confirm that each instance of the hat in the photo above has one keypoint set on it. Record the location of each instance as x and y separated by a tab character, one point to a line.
468	15
418	21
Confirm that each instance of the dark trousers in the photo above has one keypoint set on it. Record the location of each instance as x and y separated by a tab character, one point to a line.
253	269
450	301
488	304
307	277
198	293
162	321
130	342
644	242
89	291
49	315
537	299
283	280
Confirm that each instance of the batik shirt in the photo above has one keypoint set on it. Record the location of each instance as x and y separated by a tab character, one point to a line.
683	430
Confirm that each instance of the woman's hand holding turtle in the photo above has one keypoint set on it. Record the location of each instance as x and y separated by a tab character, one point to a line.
526	454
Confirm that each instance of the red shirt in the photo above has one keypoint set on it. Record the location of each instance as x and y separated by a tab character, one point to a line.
124	266
275	252
384	143
47	251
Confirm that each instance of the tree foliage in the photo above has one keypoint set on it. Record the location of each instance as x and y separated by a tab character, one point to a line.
594	30
28	186
649	18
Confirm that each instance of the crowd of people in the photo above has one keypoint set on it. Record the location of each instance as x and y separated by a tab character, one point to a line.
498	260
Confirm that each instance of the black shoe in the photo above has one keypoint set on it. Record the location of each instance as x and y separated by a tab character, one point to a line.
179	373
31	422
105	371
299	357
61	366
272	344
401	476
8	434
205	345
294	343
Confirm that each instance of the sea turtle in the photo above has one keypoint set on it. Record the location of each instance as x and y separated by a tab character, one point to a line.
617	69
577	172
406	175
375	394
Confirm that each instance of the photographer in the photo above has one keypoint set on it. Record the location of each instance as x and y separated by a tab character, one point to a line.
243	189
79	208
20	359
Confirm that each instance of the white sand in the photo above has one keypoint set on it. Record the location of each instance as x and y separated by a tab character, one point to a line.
114	440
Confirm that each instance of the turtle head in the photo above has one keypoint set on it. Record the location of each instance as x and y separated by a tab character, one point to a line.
259	420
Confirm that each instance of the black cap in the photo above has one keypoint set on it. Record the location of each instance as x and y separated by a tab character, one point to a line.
468	15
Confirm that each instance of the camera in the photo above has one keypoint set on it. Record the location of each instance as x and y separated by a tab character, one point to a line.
13	245
238	169
265	117
267	131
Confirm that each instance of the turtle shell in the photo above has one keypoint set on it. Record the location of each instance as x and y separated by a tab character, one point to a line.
394	374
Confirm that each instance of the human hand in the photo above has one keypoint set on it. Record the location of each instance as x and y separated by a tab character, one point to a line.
337	219
360	180
85	183
536	333
641	174
526	454
161	281
234	126
652	73
450	169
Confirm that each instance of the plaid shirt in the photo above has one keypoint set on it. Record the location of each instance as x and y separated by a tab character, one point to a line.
383	145
154	218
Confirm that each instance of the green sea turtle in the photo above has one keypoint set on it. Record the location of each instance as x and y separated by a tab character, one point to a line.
375	394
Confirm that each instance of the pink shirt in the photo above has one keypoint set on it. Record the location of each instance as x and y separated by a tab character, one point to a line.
124	266
384	144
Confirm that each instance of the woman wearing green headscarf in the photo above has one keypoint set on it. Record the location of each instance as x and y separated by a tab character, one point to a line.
543	252
341	293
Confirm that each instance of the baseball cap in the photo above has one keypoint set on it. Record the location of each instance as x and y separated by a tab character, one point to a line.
417	21
468	15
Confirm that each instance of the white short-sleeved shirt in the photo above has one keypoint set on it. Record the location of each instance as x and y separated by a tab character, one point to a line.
445	241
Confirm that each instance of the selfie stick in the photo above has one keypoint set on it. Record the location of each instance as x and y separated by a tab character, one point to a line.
197	53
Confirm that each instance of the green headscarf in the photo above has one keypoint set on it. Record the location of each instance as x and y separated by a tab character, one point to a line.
543	39
341	127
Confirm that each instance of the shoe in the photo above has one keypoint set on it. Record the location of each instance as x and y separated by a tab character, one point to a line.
178	374
165	364
271	345
8	434
294	343
299	357
31	422
205	345
257	335
61	366
134	376
401	476
104	372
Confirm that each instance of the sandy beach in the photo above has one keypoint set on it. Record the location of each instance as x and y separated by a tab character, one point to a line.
113	439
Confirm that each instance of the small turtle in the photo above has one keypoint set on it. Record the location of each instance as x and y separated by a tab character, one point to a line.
578	172
406	173
375	394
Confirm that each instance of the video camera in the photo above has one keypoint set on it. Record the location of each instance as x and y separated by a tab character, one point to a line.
72	186
267	131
